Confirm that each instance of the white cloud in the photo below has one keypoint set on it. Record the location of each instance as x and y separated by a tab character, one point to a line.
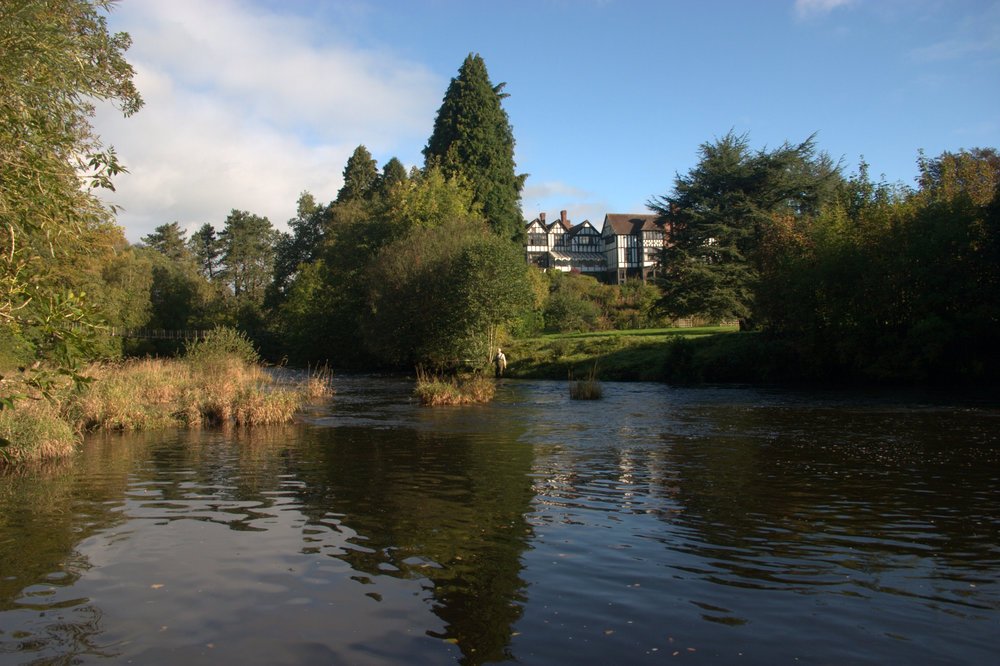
974	38
551	189
245	109
811	8
551	197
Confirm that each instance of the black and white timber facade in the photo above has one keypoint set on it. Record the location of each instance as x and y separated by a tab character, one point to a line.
626	248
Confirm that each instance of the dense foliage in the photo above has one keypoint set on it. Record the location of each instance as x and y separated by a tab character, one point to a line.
473	139
719	216
56	59
847	278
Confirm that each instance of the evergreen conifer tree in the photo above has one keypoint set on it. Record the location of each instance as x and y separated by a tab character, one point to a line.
473	138
360	176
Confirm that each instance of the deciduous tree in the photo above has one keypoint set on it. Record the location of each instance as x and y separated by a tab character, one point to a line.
56	58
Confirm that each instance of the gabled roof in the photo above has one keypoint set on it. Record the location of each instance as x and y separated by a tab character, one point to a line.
565	224
577	228
622	224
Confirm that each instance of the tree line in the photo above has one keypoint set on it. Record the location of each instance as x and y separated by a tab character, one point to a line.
404	267
836	275
843	277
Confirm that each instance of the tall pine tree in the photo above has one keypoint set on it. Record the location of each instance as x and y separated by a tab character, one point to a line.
360	176
473	138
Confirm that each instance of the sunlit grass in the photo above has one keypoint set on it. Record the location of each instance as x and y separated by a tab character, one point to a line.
623	355
434	390
34	431
151	394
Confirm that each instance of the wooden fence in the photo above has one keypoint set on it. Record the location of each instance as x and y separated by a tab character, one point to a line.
156	333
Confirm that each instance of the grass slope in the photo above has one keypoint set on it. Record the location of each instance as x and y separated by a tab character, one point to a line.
634	355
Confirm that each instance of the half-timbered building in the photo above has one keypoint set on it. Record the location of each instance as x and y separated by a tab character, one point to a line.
632	245
626	248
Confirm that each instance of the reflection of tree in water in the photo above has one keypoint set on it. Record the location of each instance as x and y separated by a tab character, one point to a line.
790	496
440	507
46	510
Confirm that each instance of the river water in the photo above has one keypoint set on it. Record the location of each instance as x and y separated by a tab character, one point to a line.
657	525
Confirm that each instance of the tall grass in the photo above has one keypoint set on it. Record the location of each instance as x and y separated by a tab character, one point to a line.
34	431
205	388
586	389
435	390
156	393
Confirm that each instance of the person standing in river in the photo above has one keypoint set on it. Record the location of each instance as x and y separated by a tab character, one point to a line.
500	361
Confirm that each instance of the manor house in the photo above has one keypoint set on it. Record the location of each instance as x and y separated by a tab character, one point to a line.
626	248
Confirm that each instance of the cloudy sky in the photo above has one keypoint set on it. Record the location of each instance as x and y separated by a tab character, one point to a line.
250	102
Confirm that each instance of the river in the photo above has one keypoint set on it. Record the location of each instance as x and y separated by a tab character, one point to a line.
657	525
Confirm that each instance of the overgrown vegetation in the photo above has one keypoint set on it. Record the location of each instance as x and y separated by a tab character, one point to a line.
845	278
216	383
435	390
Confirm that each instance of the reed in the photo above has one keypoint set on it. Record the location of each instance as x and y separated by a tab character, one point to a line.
150	394
434	390
586	389
319	383
154	393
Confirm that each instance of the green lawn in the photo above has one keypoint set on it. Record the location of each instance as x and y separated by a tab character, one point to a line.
633	355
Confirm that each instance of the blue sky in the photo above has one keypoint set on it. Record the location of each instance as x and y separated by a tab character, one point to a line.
250	103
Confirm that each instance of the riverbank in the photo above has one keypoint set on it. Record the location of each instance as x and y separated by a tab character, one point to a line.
149	394
722	355
634	355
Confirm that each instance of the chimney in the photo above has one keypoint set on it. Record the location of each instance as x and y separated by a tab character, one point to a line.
562	217
541	218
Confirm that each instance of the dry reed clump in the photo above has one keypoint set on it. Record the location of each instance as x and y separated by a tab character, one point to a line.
153	393
586	389
133	395
255	406
34	431
435	391
319	384
148	394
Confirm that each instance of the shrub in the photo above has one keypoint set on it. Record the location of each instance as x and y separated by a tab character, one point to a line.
222	343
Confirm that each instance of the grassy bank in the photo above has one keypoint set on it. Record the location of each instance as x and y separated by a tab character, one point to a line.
638	355
150	394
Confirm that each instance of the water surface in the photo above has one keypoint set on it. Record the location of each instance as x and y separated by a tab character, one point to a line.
716	525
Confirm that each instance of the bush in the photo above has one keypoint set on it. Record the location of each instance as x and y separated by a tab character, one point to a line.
222	343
